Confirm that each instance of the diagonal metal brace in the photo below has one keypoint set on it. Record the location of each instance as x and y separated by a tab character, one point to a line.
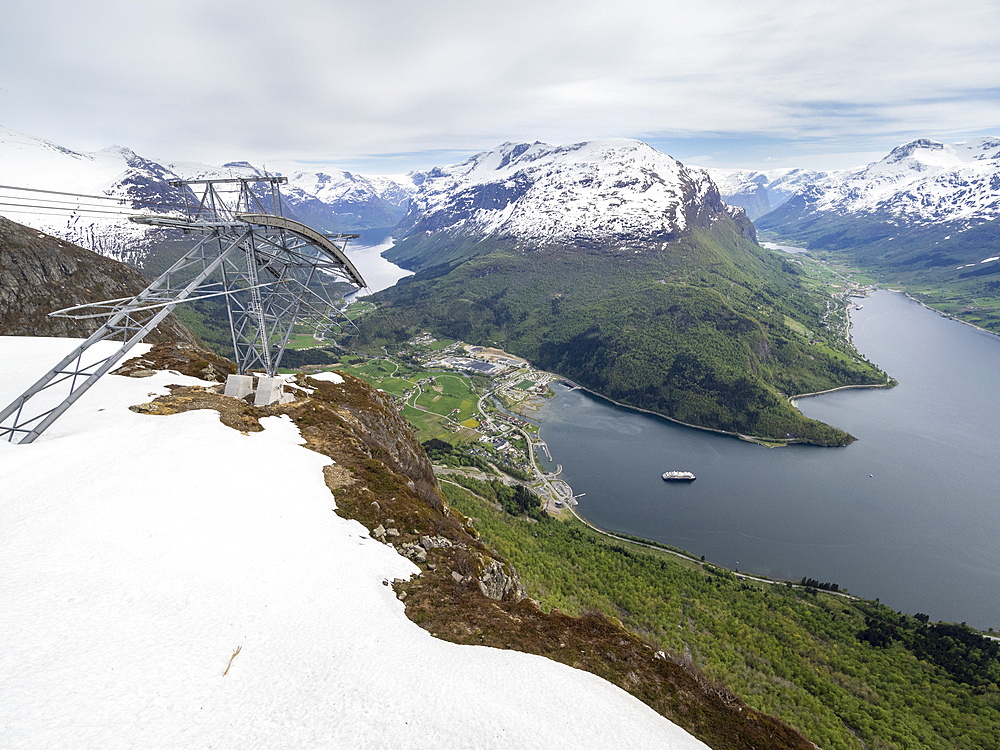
20	419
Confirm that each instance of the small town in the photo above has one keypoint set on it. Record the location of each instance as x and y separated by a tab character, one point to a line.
477	398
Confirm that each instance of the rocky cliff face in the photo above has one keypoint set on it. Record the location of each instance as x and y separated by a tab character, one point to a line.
40	273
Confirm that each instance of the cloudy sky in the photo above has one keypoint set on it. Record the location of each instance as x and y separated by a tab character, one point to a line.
379	86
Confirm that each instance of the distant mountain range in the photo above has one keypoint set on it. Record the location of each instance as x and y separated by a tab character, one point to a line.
924	205
61	192
942	199
922	182
758	192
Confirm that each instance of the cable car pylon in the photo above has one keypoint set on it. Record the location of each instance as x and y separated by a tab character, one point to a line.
270	269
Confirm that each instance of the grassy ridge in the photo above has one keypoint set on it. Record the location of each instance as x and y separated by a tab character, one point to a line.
697	331
799	655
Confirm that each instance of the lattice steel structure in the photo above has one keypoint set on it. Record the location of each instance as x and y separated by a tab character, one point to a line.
270	269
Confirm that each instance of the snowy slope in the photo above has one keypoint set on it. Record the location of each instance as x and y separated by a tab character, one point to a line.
921	183
613	190
334	202
94	223
140	552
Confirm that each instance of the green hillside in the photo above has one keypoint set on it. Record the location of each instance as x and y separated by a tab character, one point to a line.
847	673
939	264
710	330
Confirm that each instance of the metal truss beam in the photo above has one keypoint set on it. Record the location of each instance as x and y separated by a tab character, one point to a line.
266	266
30	414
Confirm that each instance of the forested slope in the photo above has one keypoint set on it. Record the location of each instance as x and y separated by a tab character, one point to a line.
696	329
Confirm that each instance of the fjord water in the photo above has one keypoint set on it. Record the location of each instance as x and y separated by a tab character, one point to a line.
365	253
909	513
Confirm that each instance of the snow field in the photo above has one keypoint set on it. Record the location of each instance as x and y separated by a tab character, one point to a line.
139	552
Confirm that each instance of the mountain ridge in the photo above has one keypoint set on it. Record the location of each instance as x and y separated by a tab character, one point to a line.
676	310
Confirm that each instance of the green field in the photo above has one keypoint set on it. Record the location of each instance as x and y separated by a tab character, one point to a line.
440	344
978	303
429	411
449	393
302	341
361	307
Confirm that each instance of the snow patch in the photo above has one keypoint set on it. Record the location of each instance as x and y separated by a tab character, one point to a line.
170	582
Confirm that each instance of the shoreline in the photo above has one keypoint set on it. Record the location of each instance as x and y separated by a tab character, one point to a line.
942	313
690	557
748	438
764	442
793	399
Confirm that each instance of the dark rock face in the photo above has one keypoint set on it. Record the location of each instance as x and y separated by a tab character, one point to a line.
40	273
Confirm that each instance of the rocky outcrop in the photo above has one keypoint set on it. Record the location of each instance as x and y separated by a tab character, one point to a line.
185	358
40	274
498	582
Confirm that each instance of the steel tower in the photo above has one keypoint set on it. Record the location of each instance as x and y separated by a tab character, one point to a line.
272	271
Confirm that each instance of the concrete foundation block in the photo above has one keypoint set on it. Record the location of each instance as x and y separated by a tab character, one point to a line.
269	391
238	386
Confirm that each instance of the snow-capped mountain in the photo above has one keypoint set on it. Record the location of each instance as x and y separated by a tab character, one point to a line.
332	201
35	174
352	189
337	200
610	193
760	192
85	198
925	204
923	182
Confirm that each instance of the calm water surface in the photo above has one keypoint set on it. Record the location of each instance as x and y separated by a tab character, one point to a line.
909	513
365	253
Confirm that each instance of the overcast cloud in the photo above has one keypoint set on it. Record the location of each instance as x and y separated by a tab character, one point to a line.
384	86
